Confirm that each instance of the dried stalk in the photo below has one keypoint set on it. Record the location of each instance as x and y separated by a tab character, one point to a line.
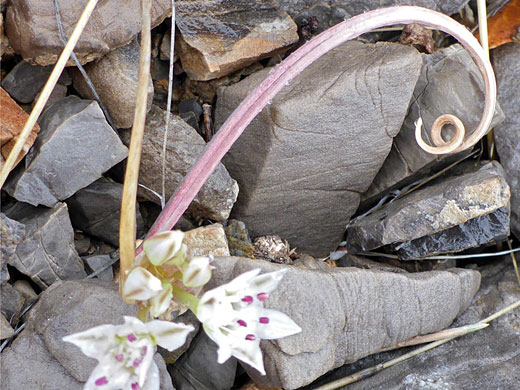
127	228
47	89
295	64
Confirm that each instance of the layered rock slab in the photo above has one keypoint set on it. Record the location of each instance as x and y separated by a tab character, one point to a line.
457	213
305	158
506	61
183	148
347	313
218	37
33	32
72	131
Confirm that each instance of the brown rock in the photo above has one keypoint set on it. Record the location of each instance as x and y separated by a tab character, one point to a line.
207	240
5	48
12	121
218	37
32	30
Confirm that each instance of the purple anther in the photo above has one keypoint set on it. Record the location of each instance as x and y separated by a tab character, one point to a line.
120	357
264	320
262	296
247	299
250	337
101	381
131	337
137	362
242	323
143	351
135	386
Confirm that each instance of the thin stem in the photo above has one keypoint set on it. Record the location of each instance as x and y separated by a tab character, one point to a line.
127	229
513	257
185	298
47	89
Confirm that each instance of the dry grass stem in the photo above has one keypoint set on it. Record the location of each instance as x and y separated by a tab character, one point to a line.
47	89
127	228
513	257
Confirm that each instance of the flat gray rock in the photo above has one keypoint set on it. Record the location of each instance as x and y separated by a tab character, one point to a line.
47	251
11	302
63	309
96	210
184	147
474	205
305	158
72	131
12	233
506	60
33	32
99	262
450	83
115	78
348	313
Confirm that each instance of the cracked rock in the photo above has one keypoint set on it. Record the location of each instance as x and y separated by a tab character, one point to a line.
303	161
72	131
12	233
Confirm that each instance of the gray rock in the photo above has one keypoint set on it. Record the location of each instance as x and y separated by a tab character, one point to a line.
303	161
6	329
12	233
295	7
63	309
188	318
25	81
47	251
96	210
184	147
218	37
457	213
32	30
72	131
115	78
198	368
450	83
506	60
11	302
347	313
486	359
98	262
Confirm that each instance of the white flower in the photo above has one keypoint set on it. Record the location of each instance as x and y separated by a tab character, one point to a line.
165	248
141	285
196	272
125	352
233	316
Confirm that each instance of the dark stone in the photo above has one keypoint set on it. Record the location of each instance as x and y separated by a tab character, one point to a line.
198	368
12	233
303	161
72	131
96	263
506	60
96	210
238	239
11	302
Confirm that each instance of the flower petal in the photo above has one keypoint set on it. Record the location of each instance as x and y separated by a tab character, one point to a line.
250	353
268	282
278	325
241	282
153	380
169	335
93	342
161	302
163	246
197	272
141	285
131	325
215	307
179	258
114	377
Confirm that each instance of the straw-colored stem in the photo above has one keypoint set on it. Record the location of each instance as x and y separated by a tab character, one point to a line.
127	229
46	91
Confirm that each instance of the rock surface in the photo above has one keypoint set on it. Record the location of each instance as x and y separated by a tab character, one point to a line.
115	78
12	234
303	161
506	60
96	210
32	29
12	302
198	368
450	83
219	37
40	359
183	148
347	313
47	252
207	240
12	121
486	359
6	329
438	219
72	131
99	262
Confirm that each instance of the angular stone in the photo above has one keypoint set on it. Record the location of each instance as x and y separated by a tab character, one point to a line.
198	368
96	210
12	233
73	131
207	240
33	32
25	288
506	60
450	83
348	313
238	239
98	262
54	317
11	302
47	252
304	155
219	37
457	213
5	47
6	330
183	148
115	78
487	359
25	81
12	121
